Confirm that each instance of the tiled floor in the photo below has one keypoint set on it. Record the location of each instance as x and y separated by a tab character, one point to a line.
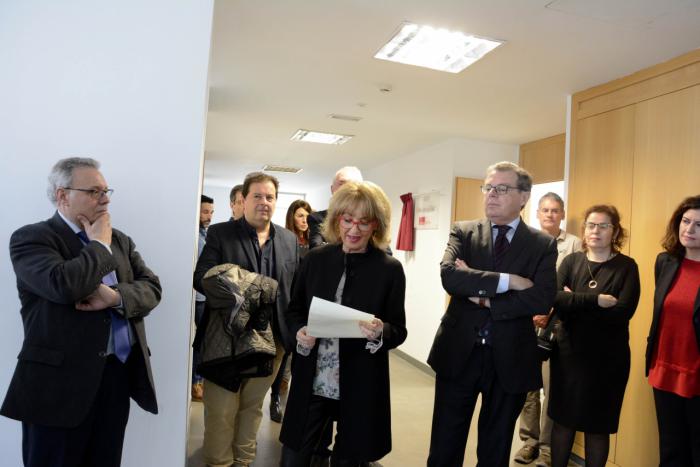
412	409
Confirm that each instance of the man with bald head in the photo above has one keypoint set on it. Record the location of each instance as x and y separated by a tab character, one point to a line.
342	176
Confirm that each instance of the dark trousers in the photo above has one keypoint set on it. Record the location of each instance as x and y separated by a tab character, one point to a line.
196	356
454	406
98	440
679	429
280	375
321	414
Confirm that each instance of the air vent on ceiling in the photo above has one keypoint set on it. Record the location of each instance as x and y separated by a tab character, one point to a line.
349	118
281	168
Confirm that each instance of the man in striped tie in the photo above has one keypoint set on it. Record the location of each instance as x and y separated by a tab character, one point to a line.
84	292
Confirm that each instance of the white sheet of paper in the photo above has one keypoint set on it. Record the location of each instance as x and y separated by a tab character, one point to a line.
329	319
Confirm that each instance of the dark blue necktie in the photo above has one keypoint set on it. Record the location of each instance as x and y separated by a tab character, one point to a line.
120	330
500	245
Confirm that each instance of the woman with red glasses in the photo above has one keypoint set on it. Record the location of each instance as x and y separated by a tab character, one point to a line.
346	380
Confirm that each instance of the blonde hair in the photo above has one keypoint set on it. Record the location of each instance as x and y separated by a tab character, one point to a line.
369	199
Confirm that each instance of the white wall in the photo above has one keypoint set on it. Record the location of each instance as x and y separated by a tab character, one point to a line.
432	168
124	82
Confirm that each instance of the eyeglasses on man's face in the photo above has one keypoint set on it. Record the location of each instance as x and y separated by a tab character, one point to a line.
347	222
94	193
600	225
499	189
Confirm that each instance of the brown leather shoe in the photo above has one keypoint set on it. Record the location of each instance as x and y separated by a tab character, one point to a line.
526	454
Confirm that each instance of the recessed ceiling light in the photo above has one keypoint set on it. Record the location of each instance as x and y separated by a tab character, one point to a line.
319	137
438	49
348	118
281	168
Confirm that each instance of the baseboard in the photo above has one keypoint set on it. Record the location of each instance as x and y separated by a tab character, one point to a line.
424	367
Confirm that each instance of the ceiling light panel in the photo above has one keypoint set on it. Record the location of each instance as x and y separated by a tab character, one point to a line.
437	49
320	137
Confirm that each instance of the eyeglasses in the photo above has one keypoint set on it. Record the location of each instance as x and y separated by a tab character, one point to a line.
601	225
499	189
347	222
93	192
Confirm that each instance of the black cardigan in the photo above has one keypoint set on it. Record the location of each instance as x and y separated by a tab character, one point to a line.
374	283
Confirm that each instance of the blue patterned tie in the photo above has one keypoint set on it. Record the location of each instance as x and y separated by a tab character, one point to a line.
120	330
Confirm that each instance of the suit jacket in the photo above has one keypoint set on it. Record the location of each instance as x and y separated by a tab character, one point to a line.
532	254
59	368
315	220
665	271
229	242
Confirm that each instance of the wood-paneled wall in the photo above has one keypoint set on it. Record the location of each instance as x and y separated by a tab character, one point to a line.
544	158
635	143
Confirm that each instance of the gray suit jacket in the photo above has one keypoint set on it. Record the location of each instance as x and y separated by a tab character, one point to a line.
60	365
532	254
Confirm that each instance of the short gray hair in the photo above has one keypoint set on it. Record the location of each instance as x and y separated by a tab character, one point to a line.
62	173
351	173
524	178
553	197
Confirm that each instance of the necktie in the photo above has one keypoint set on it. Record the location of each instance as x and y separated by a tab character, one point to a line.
500	246
120	330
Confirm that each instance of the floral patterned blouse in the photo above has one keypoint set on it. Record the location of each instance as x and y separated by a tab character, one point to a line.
327	379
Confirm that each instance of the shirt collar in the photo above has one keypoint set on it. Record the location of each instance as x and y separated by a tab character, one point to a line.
73	227
513	225
251	230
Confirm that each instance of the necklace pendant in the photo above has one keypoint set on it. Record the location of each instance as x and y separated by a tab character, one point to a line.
592	284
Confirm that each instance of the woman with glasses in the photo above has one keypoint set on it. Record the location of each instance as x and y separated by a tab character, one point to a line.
599	292
346	380
673	349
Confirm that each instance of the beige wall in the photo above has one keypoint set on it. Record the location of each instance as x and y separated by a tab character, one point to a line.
635	143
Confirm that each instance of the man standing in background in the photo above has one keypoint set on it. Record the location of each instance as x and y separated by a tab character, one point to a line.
206	211
254	243
535	426
236	202
84	291
342	176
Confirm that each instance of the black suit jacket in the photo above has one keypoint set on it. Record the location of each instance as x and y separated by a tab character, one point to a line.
532	254
315	220
665	271
229	242
59	368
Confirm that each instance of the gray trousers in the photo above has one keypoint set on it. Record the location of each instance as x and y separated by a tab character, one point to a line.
535	426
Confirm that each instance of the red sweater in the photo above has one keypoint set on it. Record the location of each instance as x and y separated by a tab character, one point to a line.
675	364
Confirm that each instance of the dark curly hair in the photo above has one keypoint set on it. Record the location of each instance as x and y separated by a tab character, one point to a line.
619	233
671	243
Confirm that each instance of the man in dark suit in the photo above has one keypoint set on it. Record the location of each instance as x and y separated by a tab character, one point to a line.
499	273
254	243
342	176
84	291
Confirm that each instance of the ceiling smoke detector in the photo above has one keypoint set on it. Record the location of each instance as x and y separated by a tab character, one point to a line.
281	168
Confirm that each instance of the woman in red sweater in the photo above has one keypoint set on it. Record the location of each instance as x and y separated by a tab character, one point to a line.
673	350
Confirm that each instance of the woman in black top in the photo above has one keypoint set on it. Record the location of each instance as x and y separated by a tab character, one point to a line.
599	292
346	380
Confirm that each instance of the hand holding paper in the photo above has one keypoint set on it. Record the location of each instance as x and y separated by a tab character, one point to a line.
328	319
